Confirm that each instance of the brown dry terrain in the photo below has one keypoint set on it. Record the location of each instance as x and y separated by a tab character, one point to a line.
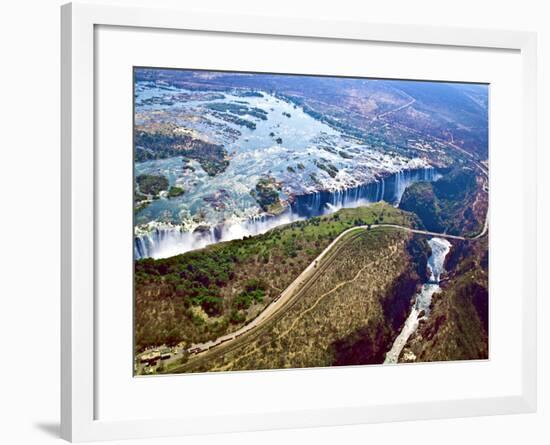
201	295
365	287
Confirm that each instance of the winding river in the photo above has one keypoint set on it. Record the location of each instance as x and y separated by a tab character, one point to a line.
421	307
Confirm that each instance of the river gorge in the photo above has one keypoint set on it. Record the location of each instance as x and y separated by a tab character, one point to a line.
423	299
161	240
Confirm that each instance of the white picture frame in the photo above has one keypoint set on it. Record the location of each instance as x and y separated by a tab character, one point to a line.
79	421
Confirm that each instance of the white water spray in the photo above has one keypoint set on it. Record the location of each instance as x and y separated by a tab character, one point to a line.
440	248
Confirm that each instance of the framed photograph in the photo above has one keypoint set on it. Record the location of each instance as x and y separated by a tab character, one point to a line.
274	223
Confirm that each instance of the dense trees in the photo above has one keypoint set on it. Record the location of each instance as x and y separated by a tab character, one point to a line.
175	191
196	277
445	205
254	292
328	167
152	184
421	199
167	143
238	109
202	294
266	194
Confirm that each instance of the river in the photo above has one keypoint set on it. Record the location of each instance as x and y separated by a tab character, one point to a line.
165	240
440	248
317	168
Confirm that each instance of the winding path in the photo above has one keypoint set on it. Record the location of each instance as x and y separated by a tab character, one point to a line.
303	280
395	110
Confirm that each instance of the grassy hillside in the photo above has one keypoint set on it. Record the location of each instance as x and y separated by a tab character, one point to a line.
203	294
350	313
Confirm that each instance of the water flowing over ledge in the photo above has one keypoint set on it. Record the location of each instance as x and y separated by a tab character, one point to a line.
165	240
421	308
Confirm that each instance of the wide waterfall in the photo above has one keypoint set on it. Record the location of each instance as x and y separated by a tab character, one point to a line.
169	240
163	241
389	189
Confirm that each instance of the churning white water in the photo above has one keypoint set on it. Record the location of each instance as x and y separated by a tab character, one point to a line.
165	240
440	248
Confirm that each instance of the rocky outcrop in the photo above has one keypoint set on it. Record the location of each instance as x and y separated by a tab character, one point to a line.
458	326
453	204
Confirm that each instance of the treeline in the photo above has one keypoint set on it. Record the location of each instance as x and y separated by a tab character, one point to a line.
196	277
238	109
151	184
203	294
159	145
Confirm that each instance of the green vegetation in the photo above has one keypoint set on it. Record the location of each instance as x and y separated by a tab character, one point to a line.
351	299
195	277
141	205
369	343
138	197
327	148
447	205
231	118
151	184
175	192
421	199
166	143
266	194
238	109
254	292
327	167
190	297
237	317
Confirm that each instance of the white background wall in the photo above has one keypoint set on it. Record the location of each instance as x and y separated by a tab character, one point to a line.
29	227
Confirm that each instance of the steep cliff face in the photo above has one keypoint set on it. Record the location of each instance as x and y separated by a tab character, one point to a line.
369	344
458	326
165	240
397	301
455	204
344	315
420	199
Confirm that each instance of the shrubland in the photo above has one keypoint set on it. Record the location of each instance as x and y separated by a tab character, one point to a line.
203	294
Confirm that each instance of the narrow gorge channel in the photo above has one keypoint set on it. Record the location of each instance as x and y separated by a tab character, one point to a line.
423	299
